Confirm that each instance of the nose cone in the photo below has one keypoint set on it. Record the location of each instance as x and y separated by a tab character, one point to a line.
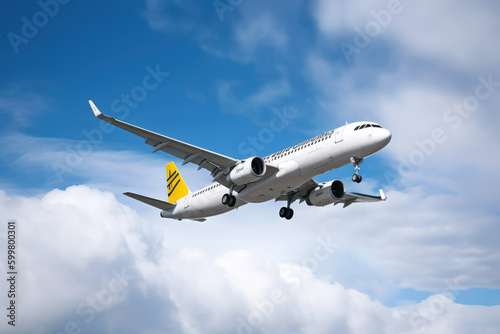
383	137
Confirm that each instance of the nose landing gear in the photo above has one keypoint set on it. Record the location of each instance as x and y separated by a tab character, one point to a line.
356	177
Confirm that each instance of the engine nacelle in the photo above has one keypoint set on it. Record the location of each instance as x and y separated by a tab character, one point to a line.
249	171
329	193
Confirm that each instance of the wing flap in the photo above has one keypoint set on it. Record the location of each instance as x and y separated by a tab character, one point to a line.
299	192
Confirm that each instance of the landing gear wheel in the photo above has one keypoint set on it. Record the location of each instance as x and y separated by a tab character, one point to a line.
225	199
283	212
356	178
228	200
232	201
286	213
356	162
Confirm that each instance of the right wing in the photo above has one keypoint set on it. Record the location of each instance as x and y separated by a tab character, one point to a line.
209	160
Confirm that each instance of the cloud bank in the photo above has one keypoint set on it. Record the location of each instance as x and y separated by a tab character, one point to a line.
103	268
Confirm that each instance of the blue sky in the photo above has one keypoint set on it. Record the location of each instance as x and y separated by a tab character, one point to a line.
216	74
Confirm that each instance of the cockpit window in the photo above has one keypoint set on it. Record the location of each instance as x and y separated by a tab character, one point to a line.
359	127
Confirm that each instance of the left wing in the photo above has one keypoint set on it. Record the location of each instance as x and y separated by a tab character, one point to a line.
303	191
350	198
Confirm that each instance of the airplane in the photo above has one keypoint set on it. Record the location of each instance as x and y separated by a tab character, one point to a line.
286	175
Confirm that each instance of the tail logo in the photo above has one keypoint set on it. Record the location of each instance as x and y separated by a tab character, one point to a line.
171	178
176	187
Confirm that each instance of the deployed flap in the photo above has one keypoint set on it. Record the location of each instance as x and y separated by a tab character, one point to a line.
301	191
189	153
162	205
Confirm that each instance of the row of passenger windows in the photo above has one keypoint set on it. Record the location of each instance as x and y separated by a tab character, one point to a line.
359	127
281	155
285	153
205	190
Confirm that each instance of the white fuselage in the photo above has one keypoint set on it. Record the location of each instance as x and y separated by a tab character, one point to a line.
296	164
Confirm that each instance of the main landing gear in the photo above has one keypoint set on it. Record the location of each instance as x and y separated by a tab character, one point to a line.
229	199
356	177
287	212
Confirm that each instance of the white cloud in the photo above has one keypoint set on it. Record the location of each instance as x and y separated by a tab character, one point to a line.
458	34
259	31
439	206
60	162
20	105
267	97
86	239
170	16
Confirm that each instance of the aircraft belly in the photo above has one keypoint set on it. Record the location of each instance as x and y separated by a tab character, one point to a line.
204	206
287	179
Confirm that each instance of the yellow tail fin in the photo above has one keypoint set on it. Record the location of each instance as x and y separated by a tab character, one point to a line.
176	187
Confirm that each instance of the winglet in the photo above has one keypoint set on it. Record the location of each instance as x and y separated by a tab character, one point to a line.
382	195
96	111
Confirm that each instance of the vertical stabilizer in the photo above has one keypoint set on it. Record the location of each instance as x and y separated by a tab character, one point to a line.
176	187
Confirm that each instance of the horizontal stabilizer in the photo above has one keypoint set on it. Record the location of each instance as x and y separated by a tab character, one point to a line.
162	205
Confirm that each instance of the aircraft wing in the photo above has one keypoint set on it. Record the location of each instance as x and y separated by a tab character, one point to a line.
303	191
211	161
300	192
350	198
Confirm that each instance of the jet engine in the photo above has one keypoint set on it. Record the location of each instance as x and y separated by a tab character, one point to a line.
327	193
250	170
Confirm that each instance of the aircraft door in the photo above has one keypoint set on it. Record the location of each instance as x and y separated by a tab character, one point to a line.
338	134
